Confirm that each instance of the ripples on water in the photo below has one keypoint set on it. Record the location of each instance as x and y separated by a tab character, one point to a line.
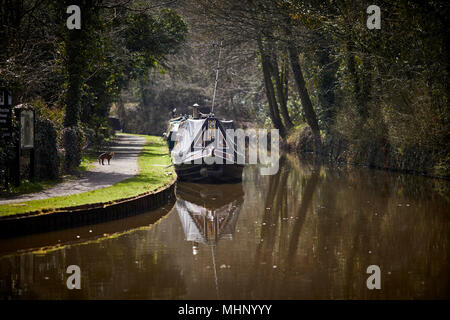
309	232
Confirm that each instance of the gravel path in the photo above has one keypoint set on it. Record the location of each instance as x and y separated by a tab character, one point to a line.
123	166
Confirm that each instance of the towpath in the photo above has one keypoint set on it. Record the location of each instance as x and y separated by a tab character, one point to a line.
122	166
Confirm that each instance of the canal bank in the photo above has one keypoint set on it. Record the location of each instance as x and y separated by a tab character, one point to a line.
372	154
151	185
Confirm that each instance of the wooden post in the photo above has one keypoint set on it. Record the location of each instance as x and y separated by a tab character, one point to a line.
26	132
5	128
32	150
16	164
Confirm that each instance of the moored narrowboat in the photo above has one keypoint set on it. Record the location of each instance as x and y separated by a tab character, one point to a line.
203	151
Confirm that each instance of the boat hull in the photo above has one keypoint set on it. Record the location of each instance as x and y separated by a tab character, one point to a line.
209	173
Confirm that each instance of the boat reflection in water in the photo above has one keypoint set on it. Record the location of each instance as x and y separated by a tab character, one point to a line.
308	232
208	213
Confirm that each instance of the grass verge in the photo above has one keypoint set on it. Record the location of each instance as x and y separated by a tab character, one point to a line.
153	173
87	162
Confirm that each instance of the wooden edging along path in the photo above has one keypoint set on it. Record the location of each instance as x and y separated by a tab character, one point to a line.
36	222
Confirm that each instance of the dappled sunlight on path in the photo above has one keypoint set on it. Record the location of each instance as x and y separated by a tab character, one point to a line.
122	166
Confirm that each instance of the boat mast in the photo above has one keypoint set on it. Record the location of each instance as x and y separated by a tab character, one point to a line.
215	270
217	77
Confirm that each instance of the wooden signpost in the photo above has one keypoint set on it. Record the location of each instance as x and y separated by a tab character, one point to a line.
5	114
5	128
24	117
24	114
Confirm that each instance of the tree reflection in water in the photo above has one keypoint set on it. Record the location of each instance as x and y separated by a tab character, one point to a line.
308	232
323	226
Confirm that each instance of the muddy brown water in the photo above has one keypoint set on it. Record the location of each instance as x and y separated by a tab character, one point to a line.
308	232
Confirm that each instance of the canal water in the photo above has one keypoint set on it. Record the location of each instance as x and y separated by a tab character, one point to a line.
308	232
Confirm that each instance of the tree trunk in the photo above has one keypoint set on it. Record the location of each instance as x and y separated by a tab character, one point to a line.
357	91
285	78
326	83
281	91
310	114
270	93
72	133
75	66
366	86
77	60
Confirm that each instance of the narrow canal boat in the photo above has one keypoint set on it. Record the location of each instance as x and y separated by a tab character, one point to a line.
202	150
200	147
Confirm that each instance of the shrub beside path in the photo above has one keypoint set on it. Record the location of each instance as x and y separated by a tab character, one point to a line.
122	166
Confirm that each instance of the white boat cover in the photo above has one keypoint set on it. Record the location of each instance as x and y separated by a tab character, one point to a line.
198	139
208	226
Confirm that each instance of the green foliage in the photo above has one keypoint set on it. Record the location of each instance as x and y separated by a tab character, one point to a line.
101	59
151	114
73	139
43	112
88	161
154	37
143	43
377	89
95	137
47	161
8	152
389	89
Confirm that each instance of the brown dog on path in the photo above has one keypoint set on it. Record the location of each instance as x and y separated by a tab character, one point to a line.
106	155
